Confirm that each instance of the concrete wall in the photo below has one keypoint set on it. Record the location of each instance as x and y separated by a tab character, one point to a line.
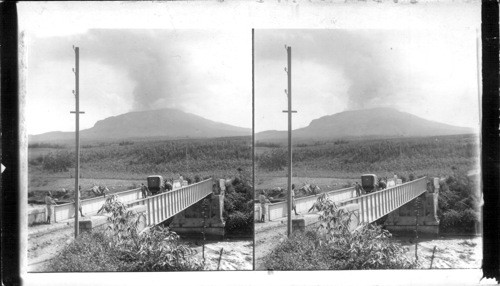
91	206
37	215
404	219
191	221
279	210
99	222
300	224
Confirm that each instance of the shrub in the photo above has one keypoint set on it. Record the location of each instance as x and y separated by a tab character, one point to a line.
458	204
89	252
197	179
123	248
238	205
239	221
334	245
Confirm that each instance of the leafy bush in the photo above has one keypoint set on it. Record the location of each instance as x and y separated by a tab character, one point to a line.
458	204
335	245
124	248
238	205
157	249
238	221
89	252
197	179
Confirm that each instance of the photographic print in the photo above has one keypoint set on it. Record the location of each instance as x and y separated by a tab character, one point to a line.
381	127
160	165
172	141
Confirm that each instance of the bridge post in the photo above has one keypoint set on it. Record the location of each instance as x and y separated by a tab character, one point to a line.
402	220
190	221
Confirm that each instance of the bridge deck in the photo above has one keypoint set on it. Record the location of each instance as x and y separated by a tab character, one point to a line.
378	204
166	205
372	206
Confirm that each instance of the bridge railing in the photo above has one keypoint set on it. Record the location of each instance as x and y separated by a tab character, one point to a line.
375	205
92	205
165	205
279	210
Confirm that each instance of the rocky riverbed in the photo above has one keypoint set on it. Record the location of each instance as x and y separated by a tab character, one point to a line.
455	252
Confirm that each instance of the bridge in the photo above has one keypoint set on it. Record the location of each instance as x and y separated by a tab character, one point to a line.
183	206
393	202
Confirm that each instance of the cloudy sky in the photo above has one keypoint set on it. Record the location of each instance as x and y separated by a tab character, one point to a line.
205	72
196	56
429	73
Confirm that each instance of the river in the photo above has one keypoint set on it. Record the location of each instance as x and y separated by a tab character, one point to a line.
457	252
237	254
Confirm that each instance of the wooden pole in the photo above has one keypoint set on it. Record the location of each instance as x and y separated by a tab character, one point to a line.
289	226
253	127
253	113
289	111
77	137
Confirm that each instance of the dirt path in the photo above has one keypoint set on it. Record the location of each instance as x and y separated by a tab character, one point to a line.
42	248
267	236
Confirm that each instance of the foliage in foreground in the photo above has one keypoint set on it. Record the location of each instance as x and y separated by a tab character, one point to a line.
334	246
238	206
123	248
90	252
458	204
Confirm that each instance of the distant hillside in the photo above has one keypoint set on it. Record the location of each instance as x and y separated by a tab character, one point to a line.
376	122
162	123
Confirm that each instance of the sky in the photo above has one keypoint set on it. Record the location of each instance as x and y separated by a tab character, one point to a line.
204	72
196	56
428	73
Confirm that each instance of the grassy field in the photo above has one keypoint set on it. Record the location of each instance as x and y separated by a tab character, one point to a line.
432	156
124	165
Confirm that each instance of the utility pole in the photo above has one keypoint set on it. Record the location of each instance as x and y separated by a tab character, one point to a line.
76	70
253	115
289	111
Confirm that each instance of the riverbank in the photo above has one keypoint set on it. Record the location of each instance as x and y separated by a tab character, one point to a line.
452	252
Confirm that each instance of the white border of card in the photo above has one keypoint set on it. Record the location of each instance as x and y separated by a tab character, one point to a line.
243	16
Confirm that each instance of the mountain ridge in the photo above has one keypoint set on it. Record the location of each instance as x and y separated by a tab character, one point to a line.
165	123
374	122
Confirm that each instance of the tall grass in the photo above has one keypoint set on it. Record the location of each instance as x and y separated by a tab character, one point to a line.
420	156
195	156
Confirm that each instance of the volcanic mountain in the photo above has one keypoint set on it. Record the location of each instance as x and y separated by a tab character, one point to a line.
376	122
161	123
